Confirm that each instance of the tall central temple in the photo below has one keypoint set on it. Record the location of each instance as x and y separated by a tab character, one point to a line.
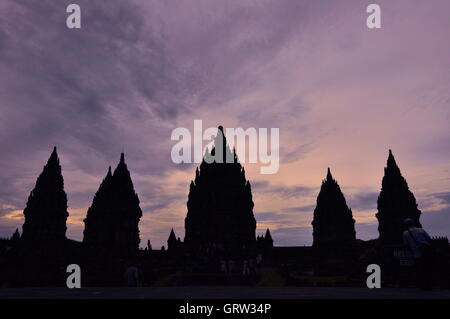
220	204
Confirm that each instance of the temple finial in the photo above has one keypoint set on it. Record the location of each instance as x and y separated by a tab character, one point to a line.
268	236
172	235
329	176
54	155
122	157
391	160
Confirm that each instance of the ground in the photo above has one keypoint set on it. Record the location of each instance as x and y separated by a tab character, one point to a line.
222	293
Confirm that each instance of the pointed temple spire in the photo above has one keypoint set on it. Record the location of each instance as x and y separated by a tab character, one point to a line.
16	235
268	241
220	204
113	218
172	236
392	167
54	156
395	203
329	176
97	230
334	236
268	235
172	242
221	151
46	210
333	223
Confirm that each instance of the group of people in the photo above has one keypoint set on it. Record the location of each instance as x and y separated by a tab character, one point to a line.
415	238
247	267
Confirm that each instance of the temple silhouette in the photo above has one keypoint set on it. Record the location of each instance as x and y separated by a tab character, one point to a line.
334	236
46	211
395	203
220	245
112	220
220	204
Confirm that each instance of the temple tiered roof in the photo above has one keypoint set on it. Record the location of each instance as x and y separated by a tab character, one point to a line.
333	223
113	218
395	203
220	205
46	210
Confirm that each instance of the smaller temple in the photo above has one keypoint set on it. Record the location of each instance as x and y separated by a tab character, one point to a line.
268	239
46	210
16	235
395	203
172	242
264	242
98	231
334	236
112	220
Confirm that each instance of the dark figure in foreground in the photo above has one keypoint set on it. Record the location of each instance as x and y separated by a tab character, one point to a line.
132	277
419	242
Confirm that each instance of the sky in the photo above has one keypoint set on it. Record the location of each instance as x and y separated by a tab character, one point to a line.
341	95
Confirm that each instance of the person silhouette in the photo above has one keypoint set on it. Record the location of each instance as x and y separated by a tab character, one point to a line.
245	269
132	276
419	242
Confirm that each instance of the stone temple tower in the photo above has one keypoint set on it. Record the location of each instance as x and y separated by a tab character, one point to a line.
395	203
112	220
334	236
220	205
46	210
333	223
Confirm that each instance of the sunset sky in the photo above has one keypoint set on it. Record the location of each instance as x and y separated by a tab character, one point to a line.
341	94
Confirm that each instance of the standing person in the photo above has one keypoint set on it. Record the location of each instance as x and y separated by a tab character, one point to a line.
231	265
251	265
132	276
419	242
245	270
223	266
259	259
